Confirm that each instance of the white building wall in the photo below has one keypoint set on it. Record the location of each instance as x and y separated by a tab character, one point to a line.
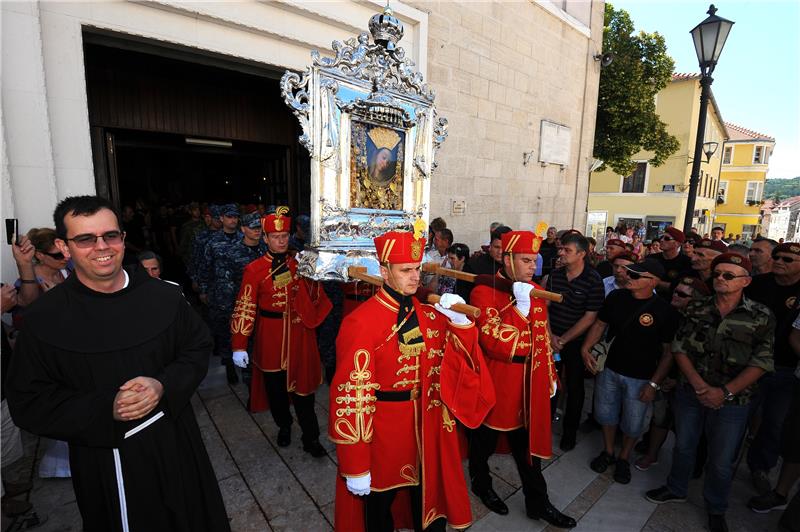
779	224
45	125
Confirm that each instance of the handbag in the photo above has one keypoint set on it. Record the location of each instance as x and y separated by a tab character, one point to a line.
601	349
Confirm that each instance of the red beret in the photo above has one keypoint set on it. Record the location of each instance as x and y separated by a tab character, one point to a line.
698	284
787	247
732	258
714	245
693	238
675	233
615	242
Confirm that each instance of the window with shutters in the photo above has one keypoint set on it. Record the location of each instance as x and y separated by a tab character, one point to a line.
635	182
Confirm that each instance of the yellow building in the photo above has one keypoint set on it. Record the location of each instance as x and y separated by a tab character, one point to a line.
745	163
656	196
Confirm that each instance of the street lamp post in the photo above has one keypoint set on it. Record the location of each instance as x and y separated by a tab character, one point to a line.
709	39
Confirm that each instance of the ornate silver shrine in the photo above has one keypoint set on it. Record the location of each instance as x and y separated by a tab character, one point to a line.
371	128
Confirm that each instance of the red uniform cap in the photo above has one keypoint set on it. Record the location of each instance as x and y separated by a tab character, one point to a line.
675	233
787	247
714	245
521	242
615	242
697	284
732	258
277	222
399	247
626	255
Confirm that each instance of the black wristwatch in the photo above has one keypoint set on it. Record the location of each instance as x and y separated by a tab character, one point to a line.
728	395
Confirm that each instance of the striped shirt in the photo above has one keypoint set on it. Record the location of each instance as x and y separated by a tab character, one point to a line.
583	294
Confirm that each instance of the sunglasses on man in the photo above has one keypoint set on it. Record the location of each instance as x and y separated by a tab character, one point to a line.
682	295
784	258
728	276
636	275
667	238
88	240
56	256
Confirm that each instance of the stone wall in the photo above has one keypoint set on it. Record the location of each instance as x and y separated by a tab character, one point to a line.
498	70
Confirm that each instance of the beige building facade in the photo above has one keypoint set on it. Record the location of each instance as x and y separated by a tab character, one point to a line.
517	82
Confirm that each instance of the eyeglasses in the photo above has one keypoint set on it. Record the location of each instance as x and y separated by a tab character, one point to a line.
55	256
666	238
784	258
636	275
682	295
87	241
728	276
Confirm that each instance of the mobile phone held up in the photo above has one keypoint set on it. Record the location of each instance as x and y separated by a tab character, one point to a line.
12	231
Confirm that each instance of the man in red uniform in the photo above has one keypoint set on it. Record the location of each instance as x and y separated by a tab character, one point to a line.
283	310
513	335
405	372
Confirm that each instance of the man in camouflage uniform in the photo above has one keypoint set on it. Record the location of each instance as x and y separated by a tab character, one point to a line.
722	347
220	273
199	245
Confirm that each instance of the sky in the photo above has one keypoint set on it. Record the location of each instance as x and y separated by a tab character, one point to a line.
757	78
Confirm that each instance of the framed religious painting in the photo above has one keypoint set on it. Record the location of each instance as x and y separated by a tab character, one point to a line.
370	125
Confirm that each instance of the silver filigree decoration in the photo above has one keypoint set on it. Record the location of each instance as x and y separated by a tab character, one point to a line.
294	90
385	70
340	225
330	148
439	136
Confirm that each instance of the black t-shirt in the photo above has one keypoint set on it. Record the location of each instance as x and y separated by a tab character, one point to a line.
605	269
674	268
636	350
781	301
549	254
583	294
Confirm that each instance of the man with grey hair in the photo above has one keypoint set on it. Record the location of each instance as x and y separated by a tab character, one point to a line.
761	255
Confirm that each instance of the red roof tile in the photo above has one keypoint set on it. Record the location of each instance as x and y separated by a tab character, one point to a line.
679	76
739	133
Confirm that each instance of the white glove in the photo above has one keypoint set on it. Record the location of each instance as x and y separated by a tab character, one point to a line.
359	485
240	358
522	293
447	301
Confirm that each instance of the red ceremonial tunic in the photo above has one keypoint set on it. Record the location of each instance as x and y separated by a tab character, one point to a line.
397	442
285	339
355	294
525	388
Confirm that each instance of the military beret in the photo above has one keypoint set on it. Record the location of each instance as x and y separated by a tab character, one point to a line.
714	245
787	247
615	242
732	258
698	284
675	233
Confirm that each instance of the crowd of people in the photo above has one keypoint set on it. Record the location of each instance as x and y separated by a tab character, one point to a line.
694	335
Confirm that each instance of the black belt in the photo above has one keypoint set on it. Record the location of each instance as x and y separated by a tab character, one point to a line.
270	314
518	359
405	395
356	297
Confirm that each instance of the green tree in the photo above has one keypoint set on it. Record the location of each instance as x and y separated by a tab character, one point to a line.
626	112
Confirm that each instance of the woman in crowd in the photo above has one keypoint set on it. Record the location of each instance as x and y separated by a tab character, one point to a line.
40	264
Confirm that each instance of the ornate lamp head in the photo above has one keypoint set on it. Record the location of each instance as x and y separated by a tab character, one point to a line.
386	30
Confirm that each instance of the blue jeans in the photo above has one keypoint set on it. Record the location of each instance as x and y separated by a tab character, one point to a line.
724	430
773	398
616	402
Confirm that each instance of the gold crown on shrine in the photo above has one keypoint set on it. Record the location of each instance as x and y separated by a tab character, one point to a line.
384	138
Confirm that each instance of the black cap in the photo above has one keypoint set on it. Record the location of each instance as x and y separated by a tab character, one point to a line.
648	266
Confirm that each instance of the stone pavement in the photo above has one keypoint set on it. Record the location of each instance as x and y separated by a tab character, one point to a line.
270	488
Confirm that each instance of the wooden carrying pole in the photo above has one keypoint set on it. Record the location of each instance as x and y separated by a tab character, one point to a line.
360	273
430	267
